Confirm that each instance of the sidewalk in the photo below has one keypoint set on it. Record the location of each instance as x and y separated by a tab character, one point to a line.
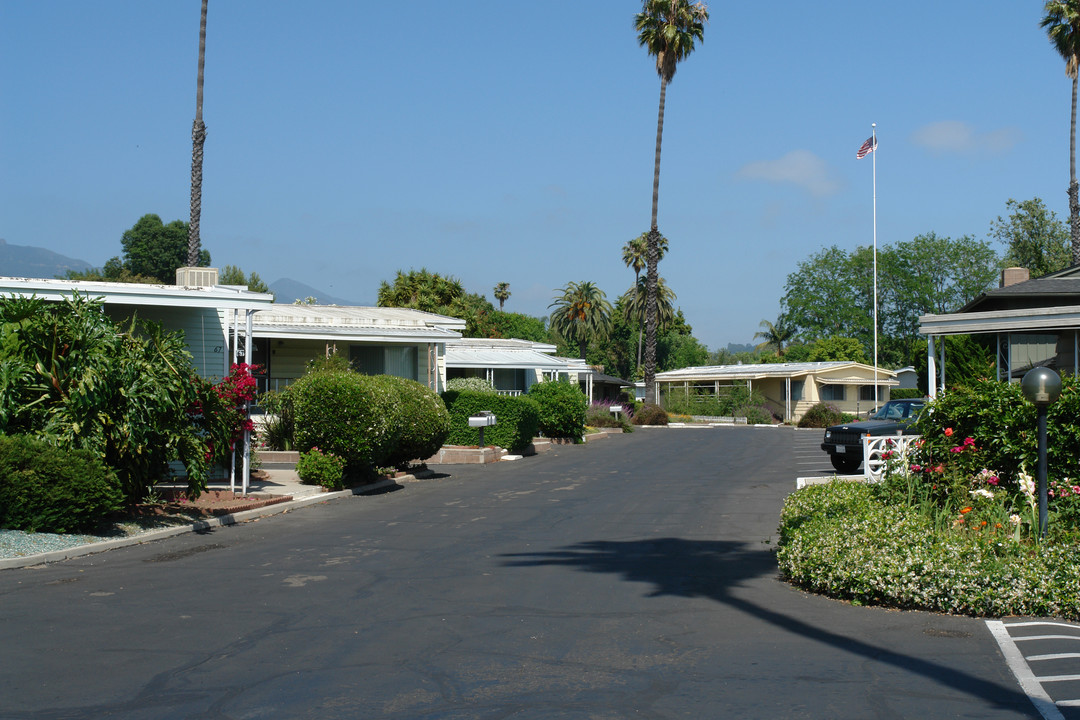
277	482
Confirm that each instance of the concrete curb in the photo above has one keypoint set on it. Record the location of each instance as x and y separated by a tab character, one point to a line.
201	525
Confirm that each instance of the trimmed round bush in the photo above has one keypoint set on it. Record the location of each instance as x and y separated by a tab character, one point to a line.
49	489
562	409
518	419
650	415
422	420
348	414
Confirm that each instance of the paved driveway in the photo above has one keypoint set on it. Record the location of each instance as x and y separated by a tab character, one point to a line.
633	577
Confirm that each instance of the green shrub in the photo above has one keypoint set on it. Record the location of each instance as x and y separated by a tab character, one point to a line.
755	414
347	414
48	489
127	393
650	415
279	429
562	409
318	468
470	383
821	416
599	415
518	419
849	540
421	418
905	393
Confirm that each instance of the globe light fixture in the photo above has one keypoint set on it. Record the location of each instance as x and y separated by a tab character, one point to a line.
1041	386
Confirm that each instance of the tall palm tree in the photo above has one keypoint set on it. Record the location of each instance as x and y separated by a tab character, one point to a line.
1062	23
633	255
581	312
198	138
775	334
502	293
668	30
635	302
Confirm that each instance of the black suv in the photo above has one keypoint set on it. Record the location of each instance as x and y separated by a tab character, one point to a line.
844	442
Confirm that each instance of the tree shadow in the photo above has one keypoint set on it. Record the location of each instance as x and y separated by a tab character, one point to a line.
711	568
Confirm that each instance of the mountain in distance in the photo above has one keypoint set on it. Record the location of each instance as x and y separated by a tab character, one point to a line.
734	348
287	291
34	262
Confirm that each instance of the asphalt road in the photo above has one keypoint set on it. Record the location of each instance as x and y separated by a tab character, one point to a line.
630	578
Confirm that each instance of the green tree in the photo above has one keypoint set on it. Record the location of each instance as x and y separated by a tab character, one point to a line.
774	335
636	306
517	325
443	295
1062	25
1033	237
198	138
581	312
502	293
420	290
634	256
233	275
837	348
667	29
156	250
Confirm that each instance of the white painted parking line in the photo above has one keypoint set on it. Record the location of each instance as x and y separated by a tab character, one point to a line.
1030	683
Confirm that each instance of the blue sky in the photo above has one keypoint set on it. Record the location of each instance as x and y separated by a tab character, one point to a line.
513	141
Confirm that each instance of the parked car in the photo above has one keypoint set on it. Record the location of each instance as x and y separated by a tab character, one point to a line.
844	443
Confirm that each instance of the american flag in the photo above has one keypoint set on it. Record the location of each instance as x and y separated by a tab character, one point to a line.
867	148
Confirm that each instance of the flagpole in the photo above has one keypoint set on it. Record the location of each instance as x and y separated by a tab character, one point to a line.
874	153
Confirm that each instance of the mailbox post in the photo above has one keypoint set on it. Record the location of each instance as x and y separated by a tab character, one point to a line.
485	418
1042	386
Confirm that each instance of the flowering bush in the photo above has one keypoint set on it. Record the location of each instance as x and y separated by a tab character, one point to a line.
844	540
318	468
954	526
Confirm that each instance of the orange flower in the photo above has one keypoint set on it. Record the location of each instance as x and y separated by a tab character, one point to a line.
948	432
966	510
982	524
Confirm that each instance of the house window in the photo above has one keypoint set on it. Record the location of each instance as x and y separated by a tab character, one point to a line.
866	393
833	393
796	390
375	360
510	379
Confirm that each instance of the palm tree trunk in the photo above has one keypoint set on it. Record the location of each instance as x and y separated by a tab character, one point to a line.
198	138
1074	191
651	259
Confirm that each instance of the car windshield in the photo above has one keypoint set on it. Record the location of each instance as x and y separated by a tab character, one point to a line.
897	411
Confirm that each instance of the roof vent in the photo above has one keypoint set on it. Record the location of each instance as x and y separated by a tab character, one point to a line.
196	277
1014	275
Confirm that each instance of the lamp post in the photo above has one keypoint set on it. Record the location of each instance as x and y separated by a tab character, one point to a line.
1042	386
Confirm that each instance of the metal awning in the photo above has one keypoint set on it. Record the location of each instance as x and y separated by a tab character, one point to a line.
457	357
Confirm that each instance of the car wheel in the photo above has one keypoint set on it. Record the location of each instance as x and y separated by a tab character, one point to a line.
844	464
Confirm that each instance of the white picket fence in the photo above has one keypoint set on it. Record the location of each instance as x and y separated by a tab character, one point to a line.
876	448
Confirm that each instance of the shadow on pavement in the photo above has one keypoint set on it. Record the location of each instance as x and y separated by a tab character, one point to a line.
708	569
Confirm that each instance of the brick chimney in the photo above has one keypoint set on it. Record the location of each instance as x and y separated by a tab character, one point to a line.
1014	275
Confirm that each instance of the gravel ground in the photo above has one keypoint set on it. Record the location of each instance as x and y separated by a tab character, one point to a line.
16	543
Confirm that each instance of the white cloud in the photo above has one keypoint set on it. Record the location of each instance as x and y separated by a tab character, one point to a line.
961	137
799	167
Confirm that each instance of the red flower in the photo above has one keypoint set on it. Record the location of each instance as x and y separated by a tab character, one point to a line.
948	432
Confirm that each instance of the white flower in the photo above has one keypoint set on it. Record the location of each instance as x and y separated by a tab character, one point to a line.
1014	519
983	493
1027	484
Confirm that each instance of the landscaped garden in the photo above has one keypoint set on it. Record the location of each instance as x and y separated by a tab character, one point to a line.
954	526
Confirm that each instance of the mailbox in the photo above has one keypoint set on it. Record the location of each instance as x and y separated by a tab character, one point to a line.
484	419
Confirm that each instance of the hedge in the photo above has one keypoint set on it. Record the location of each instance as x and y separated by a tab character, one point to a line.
518	419
422	420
